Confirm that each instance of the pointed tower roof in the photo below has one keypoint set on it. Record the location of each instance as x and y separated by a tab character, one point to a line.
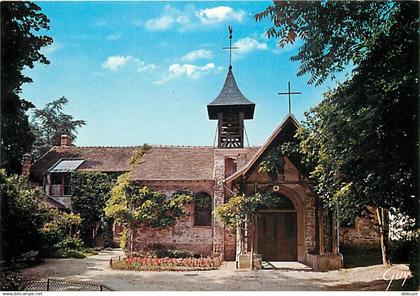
231	98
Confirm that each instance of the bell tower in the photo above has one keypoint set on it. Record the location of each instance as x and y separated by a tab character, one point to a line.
230	108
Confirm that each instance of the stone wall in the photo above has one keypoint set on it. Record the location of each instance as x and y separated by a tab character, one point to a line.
183	235
364	233
223	240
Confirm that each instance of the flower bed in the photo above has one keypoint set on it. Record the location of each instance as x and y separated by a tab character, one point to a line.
166	264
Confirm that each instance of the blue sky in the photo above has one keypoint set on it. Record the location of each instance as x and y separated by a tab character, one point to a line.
143	72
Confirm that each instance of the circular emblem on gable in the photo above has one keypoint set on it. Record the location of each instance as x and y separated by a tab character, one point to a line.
220	182
276	188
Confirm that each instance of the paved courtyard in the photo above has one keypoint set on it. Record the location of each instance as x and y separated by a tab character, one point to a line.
277	276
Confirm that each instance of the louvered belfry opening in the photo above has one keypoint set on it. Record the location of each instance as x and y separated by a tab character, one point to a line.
231	130
230	108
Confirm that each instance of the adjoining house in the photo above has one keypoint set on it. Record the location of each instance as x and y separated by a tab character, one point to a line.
298	229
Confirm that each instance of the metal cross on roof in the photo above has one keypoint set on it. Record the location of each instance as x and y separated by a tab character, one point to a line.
230	46
290	93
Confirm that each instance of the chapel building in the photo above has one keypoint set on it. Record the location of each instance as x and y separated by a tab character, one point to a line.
299	228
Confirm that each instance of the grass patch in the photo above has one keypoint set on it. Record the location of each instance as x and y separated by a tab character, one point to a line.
77	254
89	252
65	253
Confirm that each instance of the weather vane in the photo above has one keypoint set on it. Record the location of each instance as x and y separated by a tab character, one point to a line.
290	93
230	30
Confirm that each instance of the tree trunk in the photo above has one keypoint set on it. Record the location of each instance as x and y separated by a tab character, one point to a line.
383	231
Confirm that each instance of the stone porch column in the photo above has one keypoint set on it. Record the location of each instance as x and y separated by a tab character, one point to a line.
218	200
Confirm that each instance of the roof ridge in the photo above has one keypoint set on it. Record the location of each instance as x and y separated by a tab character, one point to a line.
135	146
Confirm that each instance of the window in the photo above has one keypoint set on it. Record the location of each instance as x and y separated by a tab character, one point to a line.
60	184
203	207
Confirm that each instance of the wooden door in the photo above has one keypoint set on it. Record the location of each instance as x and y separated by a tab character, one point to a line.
277	236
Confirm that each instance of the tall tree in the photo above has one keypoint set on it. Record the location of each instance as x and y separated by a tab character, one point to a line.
49	123
20	48
334	33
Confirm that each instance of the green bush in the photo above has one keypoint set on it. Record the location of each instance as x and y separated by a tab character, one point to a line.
358	256
124	240
161	251
89	251
414	259
66	253
180	254
70	243
399	251
23	214
11	281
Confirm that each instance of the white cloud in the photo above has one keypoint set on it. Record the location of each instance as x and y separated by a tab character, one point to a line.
169	17
143	67
113	63
219	14
190	18
113	37
116	62
249	44
197	54
188	70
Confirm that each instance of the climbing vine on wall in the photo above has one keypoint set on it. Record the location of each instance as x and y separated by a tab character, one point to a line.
237	209
133	204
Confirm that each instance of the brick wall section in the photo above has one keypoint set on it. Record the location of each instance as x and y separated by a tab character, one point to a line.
224	241
183	235
364	233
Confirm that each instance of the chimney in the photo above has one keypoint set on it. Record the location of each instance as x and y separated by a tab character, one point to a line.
65	140
26	164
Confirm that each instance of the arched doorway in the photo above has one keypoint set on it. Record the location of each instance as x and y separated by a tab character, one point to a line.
277	231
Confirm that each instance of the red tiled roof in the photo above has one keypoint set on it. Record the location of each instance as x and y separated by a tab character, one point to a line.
101	159
176	163
160	163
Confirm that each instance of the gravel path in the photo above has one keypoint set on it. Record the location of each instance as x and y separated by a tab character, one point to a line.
285	276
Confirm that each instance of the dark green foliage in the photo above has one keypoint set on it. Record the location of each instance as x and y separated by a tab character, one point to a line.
20	48
60	228
11	281
414	260
363	136
334	33
49	123
23	214
161	251
131	202
70	243
359	256
90	193
69	253
107	231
